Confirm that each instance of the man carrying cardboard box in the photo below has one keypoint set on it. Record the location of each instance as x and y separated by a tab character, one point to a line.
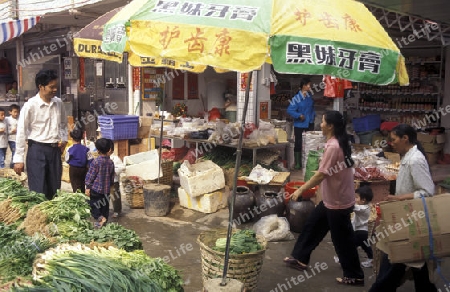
413	181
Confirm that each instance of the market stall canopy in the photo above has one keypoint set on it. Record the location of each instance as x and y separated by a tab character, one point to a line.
15	28
434	10
338	38
87	44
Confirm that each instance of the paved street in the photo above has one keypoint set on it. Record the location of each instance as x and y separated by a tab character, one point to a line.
172	236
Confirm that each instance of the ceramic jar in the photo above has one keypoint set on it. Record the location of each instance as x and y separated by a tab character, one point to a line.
270	202
244	204
298	212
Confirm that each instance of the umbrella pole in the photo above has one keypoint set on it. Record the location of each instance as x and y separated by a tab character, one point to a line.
161	132
236	172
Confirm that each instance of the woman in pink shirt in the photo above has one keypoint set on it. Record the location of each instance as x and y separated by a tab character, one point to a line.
333	213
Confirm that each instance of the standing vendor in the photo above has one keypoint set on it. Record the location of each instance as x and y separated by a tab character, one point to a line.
301	109
43	125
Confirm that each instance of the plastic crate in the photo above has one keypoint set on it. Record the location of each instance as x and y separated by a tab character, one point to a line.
366	123
119	127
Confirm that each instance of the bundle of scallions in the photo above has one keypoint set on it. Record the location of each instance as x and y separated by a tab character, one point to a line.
80	268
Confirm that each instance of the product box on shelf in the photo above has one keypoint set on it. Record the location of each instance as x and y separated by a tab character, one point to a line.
431	143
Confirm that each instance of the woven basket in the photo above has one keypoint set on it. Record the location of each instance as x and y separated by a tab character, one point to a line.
167	171
135	200
132	187
242	267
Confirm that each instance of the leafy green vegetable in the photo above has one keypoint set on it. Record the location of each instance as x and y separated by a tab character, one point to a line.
17	252
66	206
242	241
119	235
8	186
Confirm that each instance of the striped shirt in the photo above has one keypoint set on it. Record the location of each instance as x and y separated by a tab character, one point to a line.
414	175
42	122
100	175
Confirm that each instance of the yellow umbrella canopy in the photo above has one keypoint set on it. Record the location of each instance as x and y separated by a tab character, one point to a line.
339	38
87	43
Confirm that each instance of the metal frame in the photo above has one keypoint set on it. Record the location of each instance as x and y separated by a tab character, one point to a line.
408	23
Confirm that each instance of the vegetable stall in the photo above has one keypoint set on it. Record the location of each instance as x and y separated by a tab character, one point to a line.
52	246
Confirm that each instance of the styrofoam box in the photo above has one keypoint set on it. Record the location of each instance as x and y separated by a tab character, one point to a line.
207	203
201	178
143	165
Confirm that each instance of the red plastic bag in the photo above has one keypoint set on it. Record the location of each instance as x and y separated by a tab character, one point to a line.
347	84
335	87
248	129
329	87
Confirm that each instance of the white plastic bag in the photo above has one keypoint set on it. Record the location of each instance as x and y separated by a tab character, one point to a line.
273	228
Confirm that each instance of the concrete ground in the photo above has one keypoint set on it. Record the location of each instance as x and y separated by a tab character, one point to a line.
174	236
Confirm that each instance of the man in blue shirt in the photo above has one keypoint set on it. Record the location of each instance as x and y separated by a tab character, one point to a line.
301	109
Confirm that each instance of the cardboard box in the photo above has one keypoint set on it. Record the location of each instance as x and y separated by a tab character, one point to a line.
145	145
427	138
206	203
392	156
134	149
418	249
432	147
145	121
407	220
144	132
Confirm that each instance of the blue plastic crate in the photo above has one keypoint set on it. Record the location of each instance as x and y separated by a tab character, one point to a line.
119	127
366	123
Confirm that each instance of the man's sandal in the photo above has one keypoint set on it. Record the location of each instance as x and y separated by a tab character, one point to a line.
350	281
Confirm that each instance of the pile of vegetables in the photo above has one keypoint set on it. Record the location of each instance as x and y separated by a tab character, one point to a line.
15	201
17	252
242	241
111	258
62	216
224	157
118	235
80	268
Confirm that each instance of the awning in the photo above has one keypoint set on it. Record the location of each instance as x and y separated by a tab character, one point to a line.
15	28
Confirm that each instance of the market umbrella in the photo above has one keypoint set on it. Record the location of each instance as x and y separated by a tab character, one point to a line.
337	38
87	43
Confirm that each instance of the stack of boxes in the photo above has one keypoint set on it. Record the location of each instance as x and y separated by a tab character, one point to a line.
433	145
408	227
202	187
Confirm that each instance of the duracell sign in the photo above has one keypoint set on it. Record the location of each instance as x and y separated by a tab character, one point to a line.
93	49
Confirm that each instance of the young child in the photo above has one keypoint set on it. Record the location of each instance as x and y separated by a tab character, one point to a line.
360	222
11	124
78	157
3	138
119	167
98	182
